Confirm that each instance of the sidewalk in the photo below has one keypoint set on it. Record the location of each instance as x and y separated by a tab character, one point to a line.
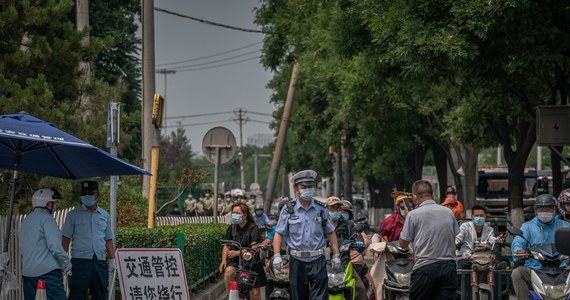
213	292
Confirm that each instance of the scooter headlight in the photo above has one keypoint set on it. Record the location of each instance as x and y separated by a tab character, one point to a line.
403	278
554	291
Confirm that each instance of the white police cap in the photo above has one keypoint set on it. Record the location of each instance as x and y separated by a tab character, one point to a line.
304	176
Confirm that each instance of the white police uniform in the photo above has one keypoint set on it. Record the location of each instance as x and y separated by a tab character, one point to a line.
306	230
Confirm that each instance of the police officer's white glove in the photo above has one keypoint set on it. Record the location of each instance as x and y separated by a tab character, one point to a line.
112	263
67	270
335	262
277	262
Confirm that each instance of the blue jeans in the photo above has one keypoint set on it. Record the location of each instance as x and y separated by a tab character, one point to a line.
88	274
54	285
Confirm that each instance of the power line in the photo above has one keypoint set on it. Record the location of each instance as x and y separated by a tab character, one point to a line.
261	114
258	121
215	61
200	115
220	65
209	56
207	22
196	124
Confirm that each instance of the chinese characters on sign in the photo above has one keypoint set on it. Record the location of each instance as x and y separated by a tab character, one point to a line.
152	274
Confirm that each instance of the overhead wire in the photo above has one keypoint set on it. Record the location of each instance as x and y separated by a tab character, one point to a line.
208	56
214	61
196	124
200	115
218	66
207	22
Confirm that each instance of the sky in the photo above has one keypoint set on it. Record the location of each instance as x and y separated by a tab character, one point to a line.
211	90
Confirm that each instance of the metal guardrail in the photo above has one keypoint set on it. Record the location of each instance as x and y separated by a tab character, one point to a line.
179	220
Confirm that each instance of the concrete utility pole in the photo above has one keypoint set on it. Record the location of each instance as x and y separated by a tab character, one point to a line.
346	168
240	113
148	83
273	173
166	72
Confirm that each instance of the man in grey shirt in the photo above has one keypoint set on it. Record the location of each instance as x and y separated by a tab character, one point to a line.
432	229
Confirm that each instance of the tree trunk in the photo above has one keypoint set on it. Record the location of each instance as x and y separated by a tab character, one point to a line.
380	201
419	158
440	160
471	173
347	169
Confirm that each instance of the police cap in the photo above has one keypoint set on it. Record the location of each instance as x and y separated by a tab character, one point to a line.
307	176
89	186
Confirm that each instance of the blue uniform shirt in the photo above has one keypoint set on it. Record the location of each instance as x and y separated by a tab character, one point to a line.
303	228
88	232
261	221
40	244
537	233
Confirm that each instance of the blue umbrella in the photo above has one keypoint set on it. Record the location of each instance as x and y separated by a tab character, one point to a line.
30	145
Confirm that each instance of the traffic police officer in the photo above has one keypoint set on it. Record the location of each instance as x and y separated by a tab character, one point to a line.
306	222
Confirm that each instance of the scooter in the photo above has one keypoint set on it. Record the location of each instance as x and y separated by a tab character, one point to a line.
552	281
280	280
341	282
482	271
245	276
398	272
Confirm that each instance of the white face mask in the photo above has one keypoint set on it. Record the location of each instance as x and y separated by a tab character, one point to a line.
545	217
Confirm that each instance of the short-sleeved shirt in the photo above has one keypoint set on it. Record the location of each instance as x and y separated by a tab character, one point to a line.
304	227
189	204
40	244
88	232
432	229
245	235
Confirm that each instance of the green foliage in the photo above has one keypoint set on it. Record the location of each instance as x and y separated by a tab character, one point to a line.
202	246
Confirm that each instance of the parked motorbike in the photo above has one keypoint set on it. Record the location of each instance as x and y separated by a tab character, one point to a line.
245	276
552	281
398	272
341	282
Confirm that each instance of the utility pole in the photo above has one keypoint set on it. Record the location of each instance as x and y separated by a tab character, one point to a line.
148	83
346	168
165	72
81	23
240	113
273	173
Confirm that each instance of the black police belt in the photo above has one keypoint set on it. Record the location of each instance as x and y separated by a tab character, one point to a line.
313	253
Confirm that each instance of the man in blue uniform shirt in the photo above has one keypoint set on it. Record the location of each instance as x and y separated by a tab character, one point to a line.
305	222
89	229
43	256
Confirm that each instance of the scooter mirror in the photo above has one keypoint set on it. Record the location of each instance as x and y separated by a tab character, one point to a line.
562	240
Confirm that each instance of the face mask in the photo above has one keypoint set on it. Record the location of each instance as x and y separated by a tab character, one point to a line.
237	218
478	221
88	200
545	217
259	213
335	215
345	216
307	193
402	212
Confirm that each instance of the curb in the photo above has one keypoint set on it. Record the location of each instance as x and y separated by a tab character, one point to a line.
214	292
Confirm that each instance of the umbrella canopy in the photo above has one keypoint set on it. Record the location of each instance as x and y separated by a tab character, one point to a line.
30	145
43	149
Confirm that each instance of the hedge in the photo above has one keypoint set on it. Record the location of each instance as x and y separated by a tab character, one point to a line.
202	247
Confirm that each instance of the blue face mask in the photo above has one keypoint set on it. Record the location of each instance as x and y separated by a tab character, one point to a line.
345	216
478	221
88	200
335	215
259	213
237	218
402	213
307	194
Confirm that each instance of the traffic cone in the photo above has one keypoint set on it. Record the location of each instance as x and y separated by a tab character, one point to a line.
41	290
234	294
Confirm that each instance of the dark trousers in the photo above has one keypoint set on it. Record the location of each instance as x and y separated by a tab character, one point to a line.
308	278
434	281
88	274
54	285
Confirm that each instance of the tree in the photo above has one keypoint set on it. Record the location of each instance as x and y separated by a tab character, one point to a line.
175	156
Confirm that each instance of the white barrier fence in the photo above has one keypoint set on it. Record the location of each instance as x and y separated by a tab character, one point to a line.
15	266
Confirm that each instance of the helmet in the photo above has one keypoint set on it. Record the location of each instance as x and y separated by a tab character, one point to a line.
43	196
563	200
282	203
258	207
346	205
545	200
450	190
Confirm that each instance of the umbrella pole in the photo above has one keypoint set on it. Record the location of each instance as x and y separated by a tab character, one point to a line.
5	257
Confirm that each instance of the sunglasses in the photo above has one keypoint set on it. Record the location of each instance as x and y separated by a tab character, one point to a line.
88	193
